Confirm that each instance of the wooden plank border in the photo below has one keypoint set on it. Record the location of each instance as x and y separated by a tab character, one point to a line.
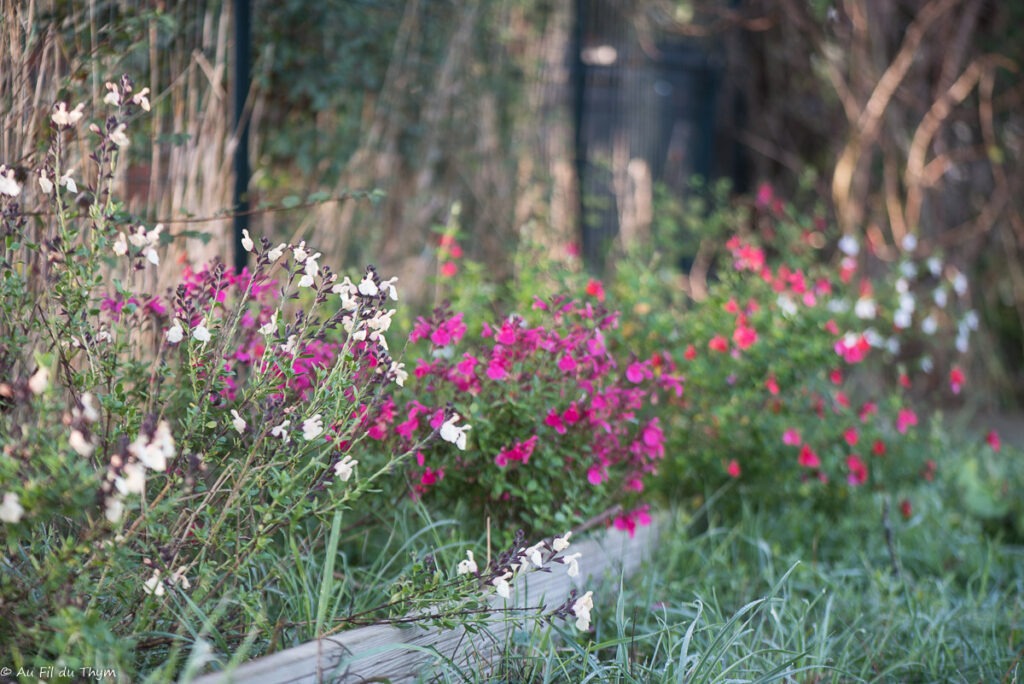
384	653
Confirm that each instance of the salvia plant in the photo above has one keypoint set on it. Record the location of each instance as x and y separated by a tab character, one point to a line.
162	449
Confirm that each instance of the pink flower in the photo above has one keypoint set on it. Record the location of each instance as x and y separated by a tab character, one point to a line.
808	459
733	468
567	364
772	385
631	519
554	420
851	436
905	419
744	336
878	448
595	289
691	352
858	474
636	372
992	439
869	409
791	437
718	343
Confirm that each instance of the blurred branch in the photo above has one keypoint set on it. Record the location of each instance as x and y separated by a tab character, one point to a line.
868	125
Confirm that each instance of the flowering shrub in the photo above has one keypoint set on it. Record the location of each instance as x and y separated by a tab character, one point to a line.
162	450
560	429
788	360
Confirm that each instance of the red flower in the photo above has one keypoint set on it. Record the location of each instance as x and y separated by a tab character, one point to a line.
719	344
772	385
851	436
691	353
905	510
878	448
449	269
595	289
809	459
956	379
992	439
858	470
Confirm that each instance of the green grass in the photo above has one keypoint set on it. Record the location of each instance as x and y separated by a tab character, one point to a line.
790	596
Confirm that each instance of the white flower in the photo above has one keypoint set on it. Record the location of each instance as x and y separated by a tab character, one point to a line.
961	342
450	432
201	333
151	256
873	338
892	345
300	252
902	286
971	319
909	242
290	345
312	268
8	186
401	375
561	543
153	453
114	508
927	365
573	561
467	566
270	327
929	325
153	585
282	431
306	281
175	333
113	97
277	252
11	510
581	608
390	285
247	243
344	468
132	480
237	421
312	427
865	308
81	445
45	184
381	321
786	305
140	99
118	137
941	298
367	287
62	117
902	319
838	305
908	269
960	284
40	380
502	585
534	554
68	182
907	302
178	577
89	410
934	265
849	246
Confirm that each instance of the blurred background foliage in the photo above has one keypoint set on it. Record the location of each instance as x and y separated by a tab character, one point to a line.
899	116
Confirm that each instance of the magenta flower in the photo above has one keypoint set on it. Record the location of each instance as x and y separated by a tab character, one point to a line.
905	419
791	437
858	474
